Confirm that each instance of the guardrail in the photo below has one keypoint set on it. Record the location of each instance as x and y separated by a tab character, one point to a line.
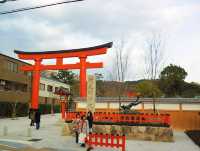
106	140
144	100
140	118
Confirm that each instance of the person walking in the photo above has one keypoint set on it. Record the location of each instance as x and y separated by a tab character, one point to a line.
37	119
90	120
76	123
32	117
83	130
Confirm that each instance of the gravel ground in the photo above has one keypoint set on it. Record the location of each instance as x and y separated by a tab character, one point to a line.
19	132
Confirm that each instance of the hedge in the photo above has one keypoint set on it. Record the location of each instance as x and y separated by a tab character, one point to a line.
22	109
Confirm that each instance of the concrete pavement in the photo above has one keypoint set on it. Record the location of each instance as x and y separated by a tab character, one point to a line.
19	134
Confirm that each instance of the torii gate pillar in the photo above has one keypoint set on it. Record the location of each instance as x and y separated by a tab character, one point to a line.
83	82
35	84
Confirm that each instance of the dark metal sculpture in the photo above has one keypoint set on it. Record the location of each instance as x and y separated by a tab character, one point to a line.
127	108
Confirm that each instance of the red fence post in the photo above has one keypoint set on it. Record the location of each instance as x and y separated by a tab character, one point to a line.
101	139
123	142
112	140
120	142
96	139
106	140
90	139
117	137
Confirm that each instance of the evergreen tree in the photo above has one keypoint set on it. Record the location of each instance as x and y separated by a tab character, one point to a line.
172	80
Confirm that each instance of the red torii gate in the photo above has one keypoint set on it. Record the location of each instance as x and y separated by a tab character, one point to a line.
81	53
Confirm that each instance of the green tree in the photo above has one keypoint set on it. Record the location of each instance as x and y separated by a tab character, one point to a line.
191	90
148	89
66	76
172	80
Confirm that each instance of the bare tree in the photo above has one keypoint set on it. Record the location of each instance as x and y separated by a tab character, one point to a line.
119	69
120	62
154	59
154	56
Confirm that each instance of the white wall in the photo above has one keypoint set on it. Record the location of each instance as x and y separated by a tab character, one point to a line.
54	84
192	107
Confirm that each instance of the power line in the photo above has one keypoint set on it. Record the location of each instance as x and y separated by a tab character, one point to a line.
37	7
4	1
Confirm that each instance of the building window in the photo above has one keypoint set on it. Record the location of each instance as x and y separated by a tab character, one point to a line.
13	67
56	90
24	88
8	86
49	88
42	86
12	86
19	87
2	85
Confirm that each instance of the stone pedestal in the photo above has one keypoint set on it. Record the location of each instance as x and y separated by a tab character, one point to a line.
67	129
163	134
91	93
150	133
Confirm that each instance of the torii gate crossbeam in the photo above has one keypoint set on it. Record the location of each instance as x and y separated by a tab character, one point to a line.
83	65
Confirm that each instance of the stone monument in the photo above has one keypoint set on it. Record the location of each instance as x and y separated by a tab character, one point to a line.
91	93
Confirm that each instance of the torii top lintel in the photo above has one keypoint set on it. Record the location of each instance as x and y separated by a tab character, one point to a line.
81	52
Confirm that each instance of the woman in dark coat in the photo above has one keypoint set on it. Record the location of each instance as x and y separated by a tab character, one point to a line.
90	120
37	119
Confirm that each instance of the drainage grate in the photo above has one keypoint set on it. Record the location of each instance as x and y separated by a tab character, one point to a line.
35	139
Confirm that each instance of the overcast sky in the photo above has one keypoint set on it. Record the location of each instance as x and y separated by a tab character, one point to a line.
94	22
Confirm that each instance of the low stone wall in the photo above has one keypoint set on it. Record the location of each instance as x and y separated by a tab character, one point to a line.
132	132
137	132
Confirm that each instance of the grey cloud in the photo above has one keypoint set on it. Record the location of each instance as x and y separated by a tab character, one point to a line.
96	21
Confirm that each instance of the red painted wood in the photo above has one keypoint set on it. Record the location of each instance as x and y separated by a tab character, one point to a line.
83	82
35	85
63	67
127	118
81	53
59	61
63	111
107	140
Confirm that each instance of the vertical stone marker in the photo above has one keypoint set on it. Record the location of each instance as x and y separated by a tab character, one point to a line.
29	132
5	131
91	93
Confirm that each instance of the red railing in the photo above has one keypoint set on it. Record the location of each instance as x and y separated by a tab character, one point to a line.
106	140
124	118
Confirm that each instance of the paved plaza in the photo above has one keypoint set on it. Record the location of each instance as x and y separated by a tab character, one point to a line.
17	135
